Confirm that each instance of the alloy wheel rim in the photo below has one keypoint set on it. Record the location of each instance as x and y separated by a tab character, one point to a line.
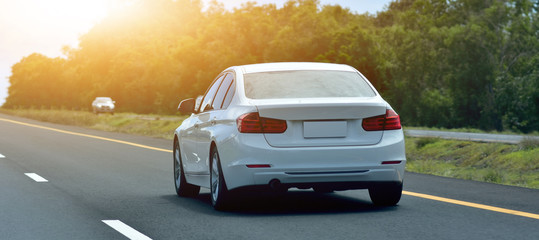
214	178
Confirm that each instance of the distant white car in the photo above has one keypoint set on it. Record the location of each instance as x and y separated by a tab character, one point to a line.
289	125
103	105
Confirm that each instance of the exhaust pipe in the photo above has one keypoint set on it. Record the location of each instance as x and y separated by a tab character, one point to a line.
276	185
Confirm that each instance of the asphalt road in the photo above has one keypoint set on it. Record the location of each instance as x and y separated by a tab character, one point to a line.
91	180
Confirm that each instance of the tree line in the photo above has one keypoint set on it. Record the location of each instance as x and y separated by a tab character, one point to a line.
440	63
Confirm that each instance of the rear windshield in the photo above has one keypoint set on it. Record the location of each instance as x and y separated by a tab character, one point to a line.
306	84
103	100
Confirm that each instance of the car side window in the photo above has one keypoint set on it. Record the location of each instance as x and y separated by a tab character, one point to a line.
229	95
220	96
198	102
210	94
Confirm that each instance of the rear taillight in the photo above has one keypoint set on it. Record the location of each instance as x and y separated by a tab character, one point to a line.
258	165
253	123
390	121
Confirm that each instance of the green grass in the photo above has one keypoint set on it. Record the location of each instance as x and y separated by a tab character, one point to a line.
159	126
516	165
500	163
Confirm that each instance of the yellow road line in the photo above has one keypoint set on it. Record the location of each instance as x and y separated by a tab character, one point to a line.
87	135
473	205
420	195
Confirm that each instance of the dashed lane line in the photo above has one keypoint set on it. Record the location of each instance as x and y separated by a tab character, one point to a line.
126	230
87	135
420	195
2	156
36	177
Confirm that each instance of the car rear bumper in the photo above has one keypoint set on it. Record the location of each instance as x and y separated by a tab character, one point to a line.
350	167
104	109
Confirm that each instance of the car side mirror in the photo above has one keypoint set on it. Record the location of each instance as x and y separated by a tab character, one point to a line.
187	106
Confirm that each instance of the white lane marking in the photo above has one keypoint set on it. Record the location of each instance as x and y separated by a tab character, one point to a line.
2	156
36	177
126	230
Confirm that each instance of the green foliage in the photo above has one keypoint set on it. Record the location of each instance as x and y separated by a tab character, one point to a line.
529	143
462	63
445	64
490	162
420	143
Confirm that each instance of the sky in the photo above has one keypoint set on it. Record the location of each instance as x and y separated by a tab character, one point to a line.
45	26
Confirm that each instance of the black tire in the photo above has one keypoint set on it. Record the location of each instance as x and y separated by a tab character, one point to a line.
183	188
219	193
386	194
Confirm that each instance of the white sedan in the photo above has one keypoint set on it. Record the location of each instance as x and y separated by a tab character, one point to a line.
103	104
277	126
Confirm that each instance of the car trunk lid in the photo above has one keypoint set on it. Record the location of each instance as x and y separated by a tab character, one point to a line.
322	122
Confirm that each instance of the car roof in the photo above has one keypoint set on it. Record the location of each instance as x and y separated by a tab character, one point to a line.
288	66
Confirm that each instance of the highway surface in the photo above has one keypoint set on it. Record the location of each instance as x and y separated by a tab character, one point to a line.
64	182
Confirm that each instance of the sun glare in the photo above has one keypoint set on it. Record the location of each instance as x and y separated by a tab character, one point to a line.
75	13
45	26
91	10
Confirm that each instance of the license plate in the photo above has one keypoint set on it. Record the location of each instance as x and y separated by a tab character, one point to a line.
324	129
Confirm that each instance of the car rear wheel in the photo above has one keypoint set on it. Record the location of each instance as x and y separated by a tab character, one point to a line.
183	188
219	192
386	194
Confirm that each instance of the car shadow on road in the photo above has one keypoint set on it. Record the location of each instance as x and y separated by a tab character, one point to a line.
290	203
